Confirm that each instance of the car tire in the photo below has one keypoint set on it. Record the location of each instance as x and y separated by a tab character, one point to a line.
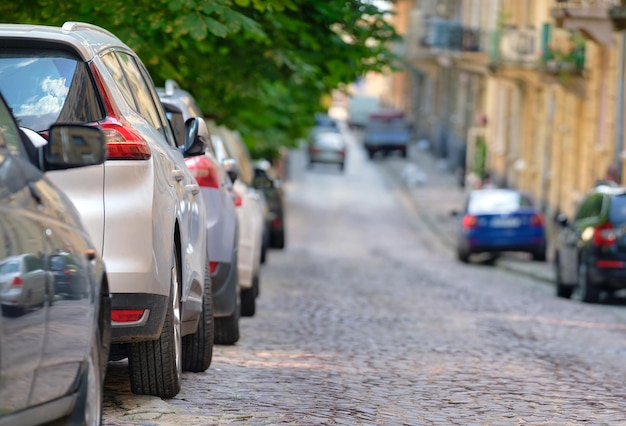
589	293
370	153
403	153
156	366
278	240
248	302
463	255
227	329
198	347
540	255
342	167
562	290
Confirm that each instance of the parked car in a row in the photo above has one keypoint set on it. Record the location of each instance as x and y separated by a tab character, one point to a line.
142	207
500	220
591	248
222	227
54	334
252	213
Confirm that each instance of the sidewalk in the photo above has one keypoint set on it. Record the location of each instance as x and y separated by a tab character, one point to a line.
440	195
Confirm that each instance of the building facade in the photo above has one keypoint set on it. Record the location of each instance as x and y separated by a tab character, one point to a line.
529	91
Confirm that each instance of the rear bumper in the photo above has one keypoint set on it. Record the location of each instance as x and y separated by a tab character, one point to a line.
149	326
482	247
225	288
614	278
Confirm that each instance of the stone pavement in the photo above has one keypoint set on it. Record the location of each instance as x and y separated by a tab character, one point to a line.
440	195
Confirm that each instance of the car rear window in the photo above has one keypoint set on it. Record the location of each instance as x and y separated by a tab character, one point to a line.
617	213
329	140
46	86
482	202
10	267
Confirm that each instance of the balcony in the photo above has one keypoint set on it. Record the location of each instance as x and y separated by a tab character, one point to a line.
450	35
514	46
591	17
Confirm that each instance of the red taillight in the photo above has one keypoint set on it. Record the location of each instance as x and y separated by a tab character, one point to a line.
536	220
277	223
342	153
237	200
123	142
17	282
617	264
213	267
204	170
604	235
126	315
469	221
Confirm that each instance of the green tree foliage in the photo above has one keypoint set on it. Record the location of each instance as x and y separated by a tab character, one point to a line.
260	66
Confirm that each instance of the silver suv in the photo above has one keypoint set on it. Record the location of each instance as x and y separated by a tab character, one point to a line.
142	207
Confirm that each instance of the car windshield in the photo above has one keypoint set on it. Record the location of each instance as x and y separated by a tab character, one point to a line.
46	86
497	202
618	209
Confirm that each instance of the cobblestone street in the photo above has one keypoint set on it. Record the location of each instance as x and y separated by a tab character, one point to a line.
366	318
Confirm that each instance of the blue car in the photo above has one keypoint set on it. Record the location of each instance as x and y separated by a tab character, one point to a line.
499	220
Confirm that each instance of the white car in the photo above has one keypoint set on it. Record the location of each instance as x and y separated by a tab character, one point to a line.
221	224
251	212
142	207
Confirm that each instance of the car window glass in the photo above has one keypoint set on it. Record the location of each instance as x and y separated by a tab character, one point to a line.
47	86
591	207
165	127
617	212
494	201
145	102
115	70
9	267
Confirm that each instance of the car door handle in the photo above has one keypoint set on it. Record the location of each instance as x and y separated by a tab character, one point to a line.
178	175
195	189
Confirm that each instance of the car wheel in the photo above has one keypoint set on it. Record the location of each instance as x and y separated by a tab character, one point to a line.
342	166
540	255
88	408
562	290
370	153
156	366
277	240
589	293
403	153
227	329
198	347
248	302
463	255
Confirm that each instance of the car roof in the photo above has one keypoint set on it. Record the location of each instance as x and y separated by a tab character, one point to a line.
386	114
610	190
84	38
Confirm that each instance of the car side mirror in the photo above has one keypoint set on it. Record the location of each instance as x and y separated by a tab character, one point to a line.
232	169
562	220
73	145
195	142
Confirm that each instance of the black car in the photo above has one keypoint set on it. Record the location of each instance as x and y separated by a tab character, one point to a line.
265	181
591	249
53	354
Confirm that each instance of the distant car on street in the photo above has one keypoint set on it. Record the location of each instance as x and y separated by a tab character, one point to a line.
386	131
327	146
591	248
266	181
500	220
